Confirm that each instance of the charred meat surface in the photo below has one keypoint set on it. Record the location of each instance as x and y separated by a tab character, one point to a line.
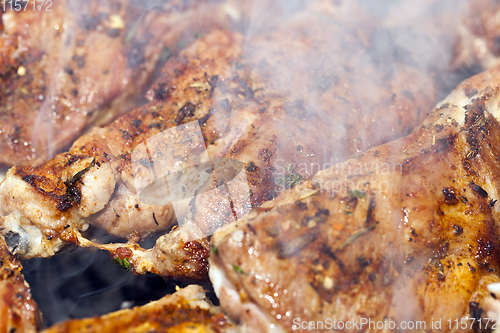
261	114
82	64
325	93
18	310
222	97
407	231
187	310
95	179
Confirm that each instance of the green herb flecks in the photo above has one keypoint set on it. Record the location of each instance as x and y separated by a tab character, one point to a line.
356	235
289	180
134	29
72	193
357	193
214	250
123	263
79	175
237	269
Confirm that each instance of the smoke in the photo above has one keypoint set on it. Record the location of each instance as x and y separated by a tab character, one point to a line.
84	284
361	67
370	71
350	75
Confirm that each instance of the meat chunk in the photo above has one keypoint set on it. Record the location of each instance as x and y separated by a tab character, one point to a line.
187	310
329	92
18	310
283	147
468	27
95	179
238	99
82	64
407	231
478	34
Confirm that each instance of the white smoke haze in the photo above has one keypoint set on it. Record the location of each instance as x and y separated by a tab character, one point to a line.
82	284
167	177
346	52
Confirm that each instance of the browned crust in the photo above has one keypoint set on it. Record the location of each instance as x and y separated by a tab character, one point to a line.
18	310
172	313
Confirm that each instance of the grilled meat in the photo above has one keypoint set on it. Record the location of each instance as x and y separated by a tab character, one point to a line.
318	112
187	310
470	28
478	34
18	310
407	231
266	109
82	64
97	174
274	162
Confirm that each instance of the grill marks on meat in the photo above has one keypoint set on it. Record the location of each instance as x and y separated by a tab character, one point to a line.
80	65
19	312
416	228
